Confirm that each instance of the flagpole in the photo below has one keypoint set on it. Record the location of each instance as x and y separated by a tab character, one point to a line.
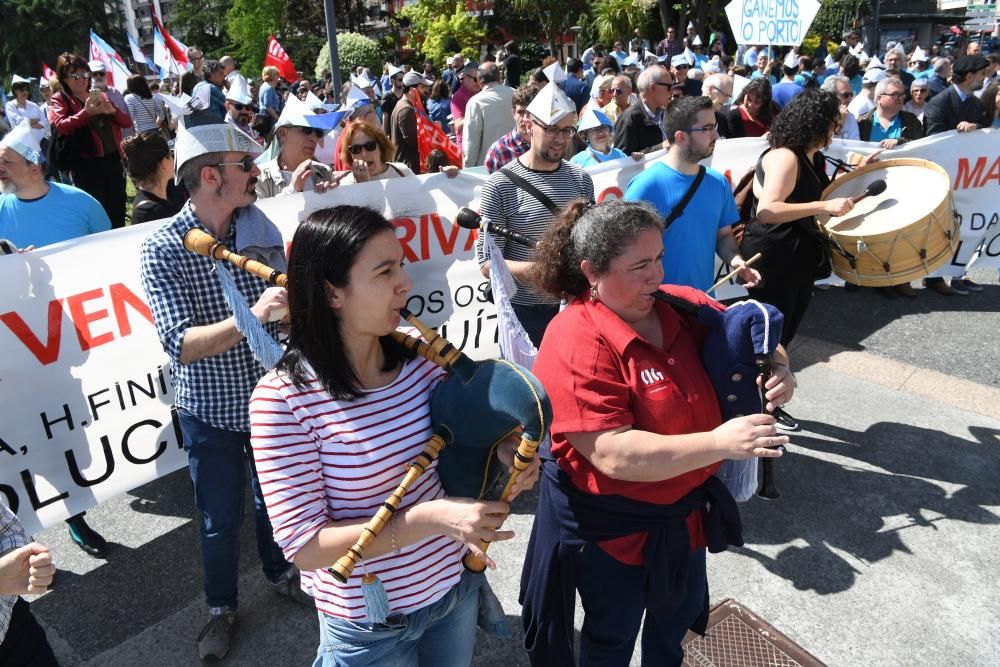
331	40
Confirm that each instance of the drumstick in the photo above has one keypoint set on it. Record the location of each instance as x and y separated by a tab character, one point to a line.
734	272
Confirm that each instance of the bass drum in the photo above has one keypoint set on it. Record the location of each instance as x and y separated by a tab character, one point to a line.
905	233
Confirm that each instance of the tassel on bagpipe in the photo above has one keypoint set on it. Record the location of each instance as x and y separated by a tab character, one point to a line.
475	408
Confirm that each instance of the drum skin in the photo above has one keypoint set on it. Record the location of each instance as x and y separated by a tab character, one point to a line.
905	233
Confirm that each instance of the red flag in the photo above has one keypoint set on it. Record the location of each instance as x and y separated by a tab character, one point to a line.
277	57
178	53
430	136
47	72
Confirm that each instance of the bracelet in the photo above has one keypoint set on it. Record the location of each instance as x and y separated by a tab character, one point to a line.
392	534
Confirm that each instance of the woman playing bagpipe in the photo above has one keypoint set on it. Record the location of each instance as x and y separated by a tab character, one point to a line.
637	434
334	426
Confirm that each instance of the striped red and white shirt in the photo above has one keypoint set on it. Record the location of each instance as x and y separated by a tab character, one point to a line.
323	460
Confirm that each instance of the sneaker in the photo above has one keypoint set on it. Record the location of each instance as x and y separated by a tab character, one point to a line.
86	537
218	634
965	283
785	422
958	287
290	585
940	286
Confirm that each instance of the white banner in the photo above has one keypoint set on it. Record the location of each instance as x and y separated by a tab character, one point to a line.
85	387
771	22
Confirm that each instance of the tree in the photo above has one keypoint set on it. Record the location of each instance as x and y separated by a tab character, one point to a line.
202	23
616	19
248	23
435	23
353	50
553	17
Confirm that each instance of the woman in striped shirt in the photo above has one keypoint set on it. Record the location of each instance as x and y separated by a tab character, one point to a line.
333	427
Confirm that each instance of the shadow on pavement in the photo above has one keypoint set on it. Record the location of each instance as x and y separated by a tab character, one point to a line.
837	508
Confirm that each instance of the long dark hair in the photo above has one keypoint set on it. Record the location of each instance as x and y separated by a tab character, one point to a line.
324	249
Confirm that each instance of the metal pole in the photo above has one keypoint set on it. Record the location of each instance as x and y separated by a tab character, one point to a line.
331	40
878	17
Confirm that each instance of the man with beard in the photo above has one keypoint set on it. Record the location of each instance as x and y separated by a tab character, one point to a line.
404	121
525	195
239	107
212	366
705	225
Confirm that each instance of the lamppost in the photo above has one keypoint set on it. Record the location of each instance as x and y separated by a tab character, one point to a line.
576	30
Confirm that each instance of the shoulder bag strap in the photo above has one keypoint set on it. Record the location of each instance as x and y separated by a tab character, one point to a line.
679	208
523	183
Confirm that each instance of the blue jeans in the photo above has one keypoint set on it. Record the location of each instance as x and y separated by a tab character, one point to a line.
442	634
216	459
614	604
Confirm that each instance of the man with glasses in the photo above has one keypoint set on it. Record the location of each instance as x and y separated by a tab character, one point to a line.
621	97
888	123
190	78
212	367
392	96
240	108
293	167
894	60
841	87
639	129
526	194
404	121
468	86
705	226
679	67
99	80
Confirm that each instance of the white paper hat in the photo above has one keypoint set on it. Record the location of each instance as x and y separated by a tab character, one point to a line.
356	96
551	104
632	59
858	49
18	79
25	142
393	70
690	25
555	73
97	66
875	63
298	113
362	81
696	41
791	60
739	83
239	90
593	118
679	60
216	138
183	105
873	75
919	55
713	66
313	102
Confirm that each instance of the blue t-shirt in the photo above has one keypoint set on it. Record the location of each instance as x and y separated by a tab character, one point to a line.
894	131
62	214
689	243
783	93
589	157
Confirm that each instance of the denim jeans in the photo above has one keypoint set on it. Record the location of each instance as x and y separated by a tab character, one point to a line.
612	613
216	460
442	634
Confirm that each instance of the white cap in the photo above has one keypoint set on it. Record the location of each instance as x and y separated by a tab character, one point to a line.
216	138
297	113
791	60
414	79
555	73
713	66
696	41
25	142
239	89
18	79
690	25
551	104
393	70
919	55
680	60
97	66
873	75
593	118
875	63
858	49
356	96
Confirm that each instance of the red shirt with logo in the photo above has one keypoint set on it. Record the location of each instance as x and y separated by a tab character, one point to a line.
600	374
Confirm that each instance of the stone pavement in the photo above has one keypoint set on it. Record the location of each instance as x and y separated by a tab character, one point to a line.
882	550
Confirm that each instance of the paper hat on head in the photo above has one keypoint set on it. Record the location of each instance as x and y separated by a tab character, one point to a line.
791	60
297	113
393	70
25	142
680	60
696	41
919	55
97	66
873	75
215	138
18	79
551	104
183	105
858	49
739	83
713	66
314	103
356	97
555	73
690	25
593	118
632	59
875	63
362	81
239	90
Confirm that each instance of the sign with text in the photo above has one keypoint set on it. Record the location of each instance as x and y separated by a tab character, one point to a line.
774	22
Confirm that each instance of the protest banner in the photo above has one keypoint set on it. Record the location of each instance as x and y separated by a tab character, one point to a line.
85	386
772	22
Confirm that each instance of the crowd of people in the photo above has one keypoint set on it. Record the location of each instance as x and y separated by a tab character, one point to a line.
322	432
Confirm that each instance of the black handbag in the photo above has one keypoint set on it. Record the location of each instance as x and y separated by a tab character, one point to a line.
65	149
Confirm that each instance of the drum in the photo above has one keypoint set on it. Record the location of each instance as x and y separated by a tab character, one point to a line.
905	233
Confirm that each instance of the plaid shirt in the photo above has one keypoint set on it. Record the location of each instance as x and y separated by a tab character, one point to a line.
505	149
11	537
183	291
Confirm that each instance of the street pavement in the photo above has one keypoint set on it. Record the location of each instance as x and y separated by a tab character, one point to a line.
881	551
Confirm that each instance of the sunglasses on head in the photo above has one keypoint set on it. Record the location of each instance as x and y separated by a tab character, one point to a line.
367	146
246	164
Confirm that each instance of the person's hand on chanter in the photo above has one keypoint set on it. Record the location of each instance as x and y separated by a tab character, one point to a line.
473	521
526	478
749	436
271	306
779	388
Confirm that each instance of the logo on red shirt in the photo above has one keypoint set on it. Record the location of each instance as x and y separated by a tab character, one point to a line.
650	376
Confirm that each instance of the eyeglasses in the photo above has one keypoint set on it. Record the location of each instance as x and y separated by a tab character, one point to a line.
845	95
99	75
552	131
712	129
246	164
619	91
367	146
79	76
239	107
315	131
895	96
665	85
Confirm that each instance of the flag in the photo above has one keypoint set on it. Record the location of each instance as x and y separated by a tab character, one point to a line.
162	57
47	72
137	55
277	57
177	52
430	136
118	72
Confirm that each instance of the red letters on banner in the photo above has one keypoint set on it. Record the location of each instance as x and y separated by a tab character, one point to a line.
977	176
83	318
415	236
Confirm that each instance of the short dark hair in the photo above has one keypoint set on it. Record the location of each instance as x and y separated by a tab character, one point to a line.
65	65
524	95
138	86
190	172
683	113
325	247
805	121
574	65
143	154
211	67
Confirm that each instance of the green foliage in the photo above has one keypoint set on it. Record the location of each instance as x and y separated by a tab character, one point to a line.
440	28
249	22
202	23
616	19
553	17
353	50
834	15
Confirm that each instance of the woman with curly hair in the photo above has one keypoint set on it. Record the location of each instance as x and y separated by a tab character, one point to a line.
788	188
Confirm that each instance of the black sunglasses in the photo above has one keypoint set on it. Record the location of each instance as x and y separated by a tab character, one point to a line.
239	107
317	132
246	164
367	146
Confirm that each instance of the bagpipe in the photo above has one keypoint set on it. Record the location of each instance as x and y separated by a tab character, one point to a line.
738	348
475	408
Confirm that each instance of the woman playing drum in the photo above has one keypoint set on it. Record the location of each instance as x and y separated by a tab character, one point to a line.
333	427
636	436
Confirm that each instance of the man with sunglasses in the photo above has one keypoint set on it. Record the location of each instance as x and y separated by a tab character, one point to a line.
212	366
468	86
640	128
240	108
705	225
293	167
841	87
99	81
525	195
621	91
